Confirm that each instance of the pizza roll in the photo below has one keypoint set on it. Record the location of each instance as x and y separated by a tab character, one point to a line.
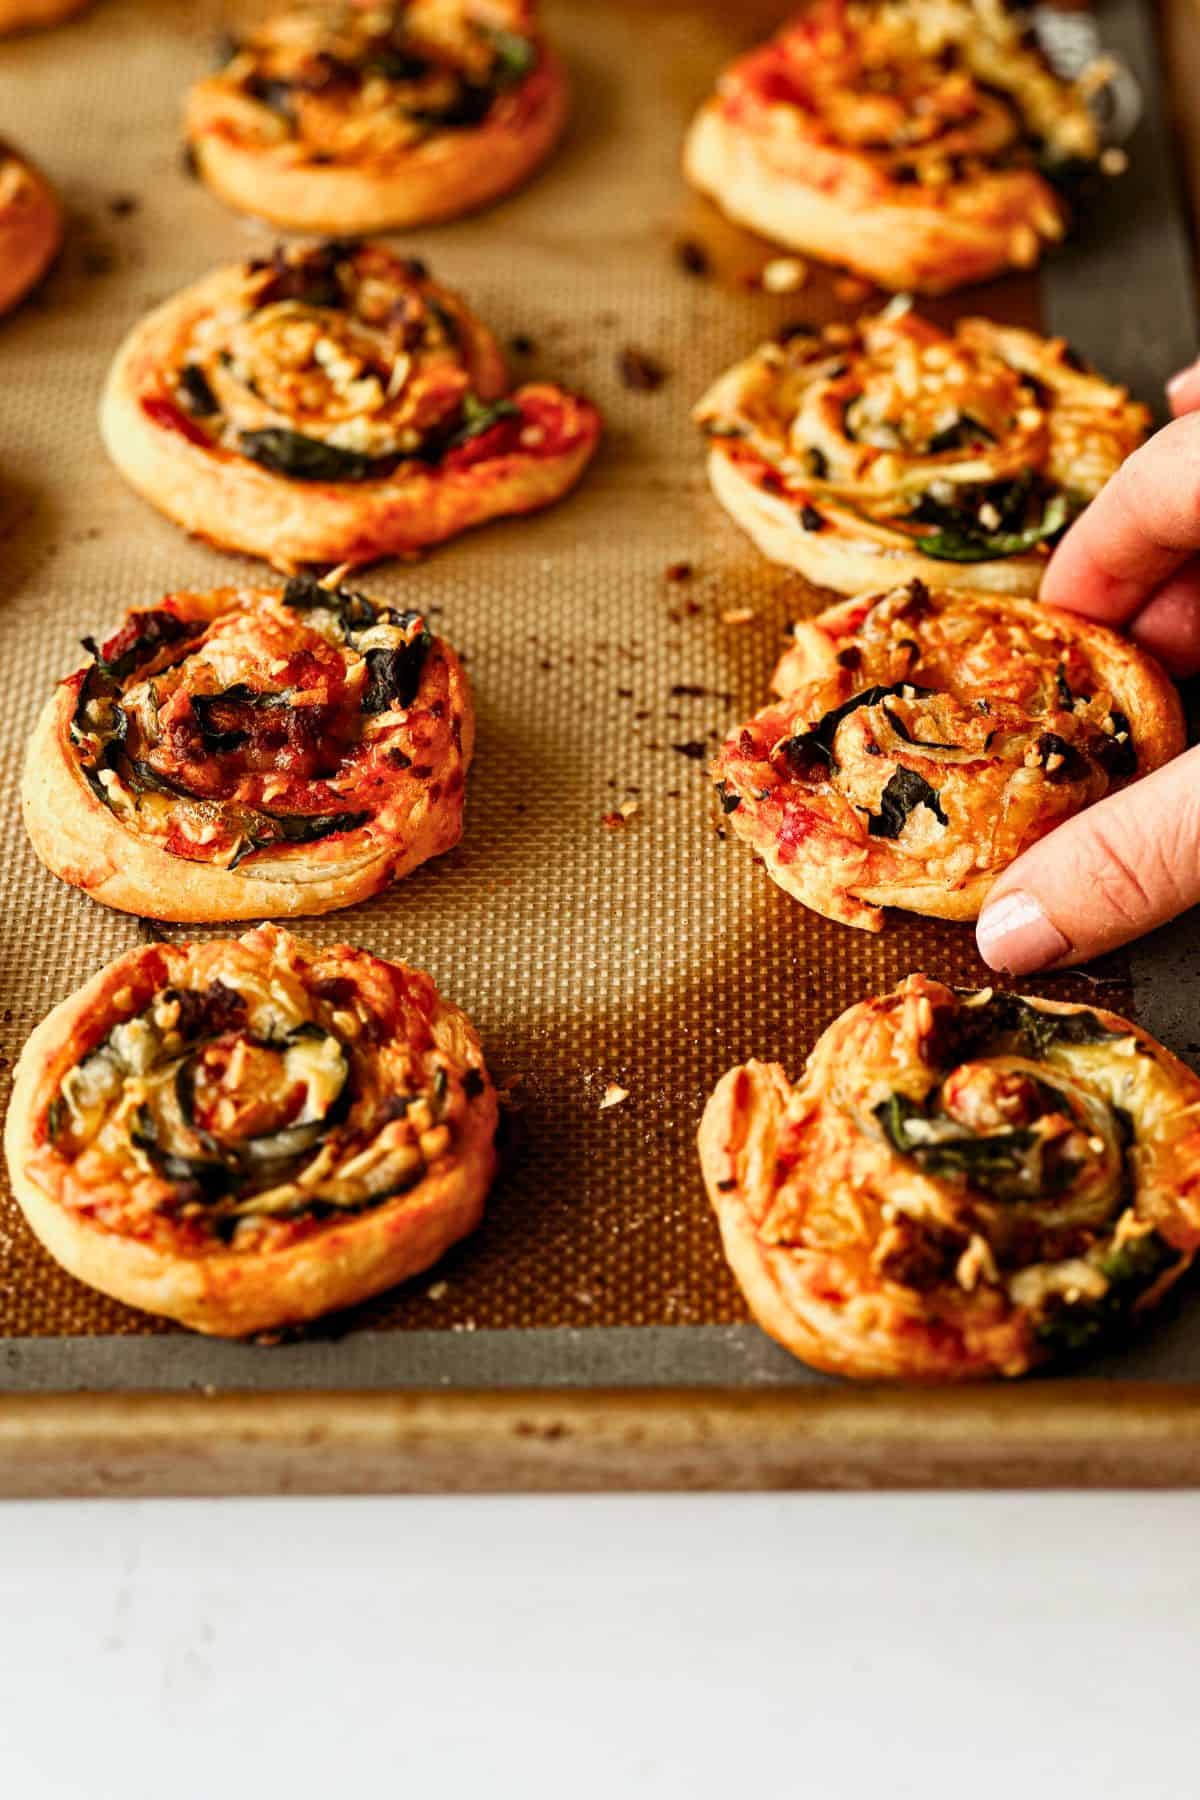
22	15
31	227
333	405
890	449
959	1185
250	753
250	1132
924	740
918	142
378	115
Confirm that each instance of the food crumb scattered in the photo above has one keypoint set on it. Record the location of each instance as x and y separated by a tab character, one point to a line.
1113	161
639	371
680	571
438	1291
122	205
613	1096
521	345
737	615
851	289
783	275
692	257
620	816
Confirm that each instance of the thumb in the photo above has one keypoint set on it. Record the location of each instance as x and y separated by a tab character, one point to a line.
1118	869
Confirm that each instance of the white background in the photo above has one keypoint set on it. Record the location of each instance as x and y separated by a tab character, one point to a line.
818	1646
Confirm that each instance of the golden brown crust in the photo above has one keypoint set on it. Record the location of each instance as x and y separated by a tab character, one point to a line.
114	1220
946	1193
396	772
899	139
892	450
23	15
31	227
344	154
982	721
397	409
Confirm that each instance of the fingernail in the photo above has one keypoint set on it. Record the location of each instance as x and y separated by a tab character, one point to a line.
1182	380
1015	936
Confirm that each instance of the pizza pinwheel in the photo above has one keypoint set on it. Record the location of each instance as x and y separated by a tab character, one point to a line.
250	1132
31	227
923	740
873	453
378	115
250	753
923	143
960	1184
333	405
23	15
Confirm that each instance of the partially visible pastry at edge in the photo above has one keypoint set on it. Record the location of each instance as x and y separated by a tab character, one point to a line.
378	115
959	1185
871	453
245	1134
31	227
924	740
22	15
333	405
250	753
914	141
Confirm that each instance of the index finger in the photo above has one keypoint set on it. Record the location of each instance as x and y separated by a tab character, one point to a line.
1138	530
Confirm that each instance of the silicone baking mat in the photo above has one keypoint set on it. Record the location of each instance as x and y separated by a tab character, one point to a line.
650	954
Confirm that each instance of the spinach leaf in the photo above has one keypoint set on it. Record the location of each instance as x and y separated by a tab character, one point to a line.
142	636
818	740
302	458
268	829
905	791
1117	755
959	435
208	709
1009	1016
394	676
395	63
967	541
304	593
993	1163
198	395
516	56
1068	1326
479	416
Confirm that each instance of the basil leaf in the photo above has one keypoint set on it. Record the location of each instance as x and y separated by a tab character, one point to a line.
905	791
301	458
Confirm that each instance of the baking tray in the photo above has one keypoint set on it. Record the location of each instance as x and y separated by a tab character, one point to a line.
590	1334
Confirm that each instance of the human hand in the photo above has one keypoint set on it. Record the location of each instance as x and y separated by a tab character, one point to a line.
1132	861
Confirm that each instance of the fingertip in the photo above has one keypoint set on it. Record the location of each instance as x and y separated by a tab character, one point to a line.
1168	626
1015	935
1183	391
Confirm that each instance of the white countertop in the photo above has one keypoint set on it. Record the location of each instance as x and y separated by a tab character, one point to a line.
825	1646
